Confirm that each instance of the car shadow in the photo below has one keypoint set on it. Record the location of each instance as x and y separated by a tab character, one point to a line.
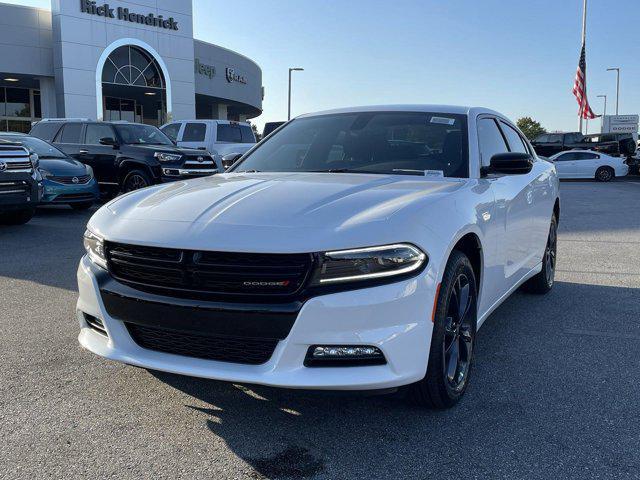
532	400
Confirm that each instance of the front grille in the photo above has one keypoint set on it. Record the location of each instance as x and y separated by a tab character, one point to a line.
19	166
221	348
80	180
175	271
75	197
9	188
190	165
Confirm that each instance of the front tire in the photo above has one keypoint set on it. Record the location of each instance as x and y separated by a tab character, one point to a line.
543	281
605	174
453	338
135	180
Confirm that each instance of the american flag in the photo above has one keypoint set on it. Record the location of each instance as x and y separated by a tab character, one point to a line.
580	87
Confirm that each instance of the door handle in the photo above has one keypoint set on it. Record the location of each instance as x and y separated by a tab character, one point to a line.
83	152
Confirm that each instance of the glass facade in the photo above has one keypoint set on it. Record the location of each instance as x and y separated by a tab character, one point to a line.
19	107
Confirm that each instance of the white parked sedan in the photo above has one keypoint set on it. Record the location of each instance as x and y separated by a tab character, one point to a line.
589	164
353	249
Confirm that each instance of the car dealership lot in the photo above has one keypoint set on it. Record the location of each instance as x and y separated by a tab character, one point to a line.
553	394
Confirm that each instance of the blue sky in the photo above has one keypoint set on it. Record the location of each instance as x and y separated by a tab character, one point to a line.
515	56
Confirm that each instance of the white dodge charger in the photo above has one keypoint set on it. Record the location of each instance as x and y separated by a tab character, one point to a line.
353	249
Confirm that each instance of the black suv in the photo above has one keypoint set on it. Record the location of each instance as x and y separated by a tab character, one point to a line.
19	187
126	155
549	144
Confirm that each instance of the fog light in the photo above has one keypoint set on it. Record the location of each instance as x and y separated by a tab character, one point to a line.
171	172
343	356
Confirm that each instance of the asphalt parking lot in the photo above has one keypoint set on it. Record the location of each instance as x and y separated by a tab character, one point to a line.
554	393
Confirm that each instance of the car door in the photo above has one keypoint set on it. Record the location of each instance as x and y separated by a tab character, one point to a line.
513	197
586	164
566	165
102	158
68	139
194	135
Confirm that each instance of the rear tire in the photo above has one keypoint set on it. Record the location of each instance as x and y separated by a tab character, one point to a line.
453	338
135	180
543	281
605	174
81	206
17	217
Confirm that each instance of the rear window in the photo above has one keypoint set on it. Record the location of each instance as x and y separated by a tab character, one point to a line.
70	133
45	130
229	133
194	132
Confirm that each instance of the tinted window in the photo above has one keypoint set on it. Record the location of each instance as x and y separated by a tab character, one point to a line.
70	133
565	157
515	141
136	134
247	134
194	132
366	142
490	139
171	131
18	102
586	156
229	133
555	138
45	130
542	138
36	145
96	131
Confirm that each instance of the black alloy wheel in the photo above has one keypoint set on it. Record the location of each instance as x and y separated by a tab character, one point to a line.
543	281
604	174
135	180
452	339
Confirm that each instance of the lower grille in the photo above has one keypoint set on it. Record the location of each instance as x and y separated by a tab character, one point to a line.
75	196
220	348
14	187
95	324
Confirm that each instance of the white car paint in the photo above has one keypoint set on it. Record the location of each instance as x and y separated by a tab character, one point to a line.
585	164
317	212
209	141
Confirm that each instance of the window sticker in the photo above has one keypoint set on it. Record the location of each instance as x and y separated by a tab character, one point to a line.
434	173
443	120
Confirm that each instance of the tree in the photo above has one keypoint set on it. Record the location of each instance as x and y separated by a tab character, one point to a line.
530	127
255	131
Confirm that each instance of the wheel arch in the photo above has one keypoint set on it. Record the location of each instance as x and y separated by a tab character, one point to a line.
469	243
556	210
128	164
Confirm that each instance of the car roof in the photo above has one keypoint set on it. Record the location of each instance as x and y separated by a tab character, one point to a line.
452	109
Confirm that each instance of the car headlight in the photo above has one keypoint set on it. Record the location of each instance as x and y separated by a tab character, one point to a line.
94	245
368	263
45	173
89	171
167	157
35	160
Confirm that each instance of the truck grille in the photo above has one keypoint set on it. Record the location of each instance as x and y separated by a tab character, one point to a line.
177	271
19	166
221	348
9	188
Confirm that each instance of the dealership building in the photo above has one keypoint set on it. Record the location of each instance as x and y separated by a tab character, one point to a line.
118	60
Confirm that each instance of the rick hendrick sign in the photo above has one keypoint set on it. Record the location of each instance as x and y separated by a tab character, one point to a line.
90	7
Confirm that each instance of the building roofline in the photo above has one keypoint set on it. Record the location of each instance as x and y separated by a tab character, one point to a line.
228	50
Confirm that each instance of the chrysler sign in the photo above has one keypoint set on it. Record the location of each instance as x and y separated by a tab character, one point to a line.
90	7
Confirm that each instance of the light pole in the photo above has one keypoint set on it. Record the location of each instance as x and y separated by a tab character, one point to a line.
295	69
617	69
604	114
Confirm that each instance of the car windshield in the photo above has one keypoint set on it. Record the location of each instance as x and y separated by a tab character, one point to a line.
409	143
135	134
35	145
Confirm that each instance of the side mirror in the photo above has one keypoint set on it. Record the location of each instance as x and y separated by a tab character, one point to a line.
229	159
108	141
512	163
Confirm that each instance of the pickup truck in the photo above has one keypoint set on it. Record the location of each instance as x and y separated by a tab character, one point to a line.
218	137
549	144
20	189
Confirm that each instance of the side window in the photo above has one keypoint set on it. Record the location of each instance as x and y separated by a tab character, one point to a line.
247	134
515	142
544	138
45	130
171	131
586	156
555	138
70	133
229	133
490	139
194	132
96	131
566	157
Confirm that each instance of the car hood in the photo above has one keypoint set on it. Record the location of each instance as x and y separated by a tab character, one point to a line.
164	148
63	166
271	212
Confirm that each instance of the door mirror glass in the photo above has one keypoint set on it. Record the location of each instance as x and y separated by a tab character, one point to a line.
230	159
512	163
107	141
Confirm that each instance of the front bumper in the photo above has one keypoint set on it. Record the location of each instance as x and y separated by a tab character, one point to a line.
396	318
18	191
59	193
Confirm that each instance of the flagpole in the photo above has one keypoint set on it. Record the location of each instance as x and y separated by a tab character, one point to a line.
584	37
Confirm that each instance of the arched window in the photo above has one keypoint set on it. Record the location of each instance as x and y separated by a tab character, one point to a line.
128	65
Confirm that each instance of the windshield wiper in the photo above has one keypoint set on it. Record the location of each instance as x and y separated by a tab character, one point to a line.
253	170
347	170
